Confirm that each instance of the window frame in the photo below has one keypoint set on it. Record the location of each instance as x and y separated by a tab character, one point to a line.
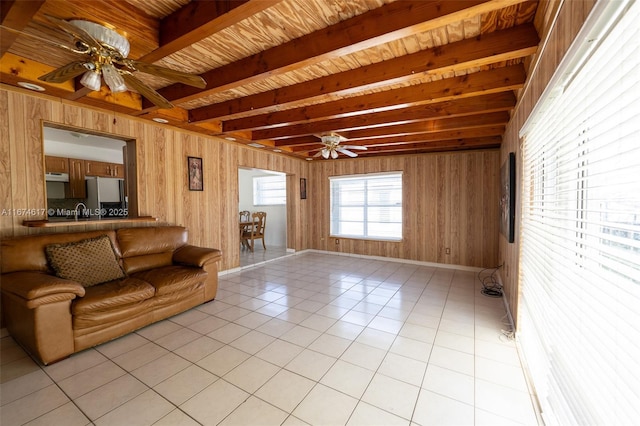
257	190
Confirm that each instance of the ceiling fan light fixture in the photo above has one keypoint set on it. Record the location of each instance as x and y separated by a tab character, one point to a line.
104	35
113	79
325	153
334	154
91	80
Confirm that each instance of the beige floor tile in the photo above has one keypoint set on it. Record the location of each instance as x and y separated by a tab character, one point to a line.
32	406
285	390
74	364
500	373
279	352
348	378
228	333
318	322
411	348
17	368
255	412
368	415
23	386
504	401
67	415
160	369
176	418
386	324
325	406
207	325
201	347
294	421
178	338
364	355
461	362
498	351
145	409
391	395
223	360
252	342
140	356
345	330
159	329
311	364
90	379
100	401
358	318
251	374
435	409
405	369
455	341
294	315
252	320
449	383
275	327
189	317
418	332
330	345
214	403
273	309
301	336
376	338
121	345
185	384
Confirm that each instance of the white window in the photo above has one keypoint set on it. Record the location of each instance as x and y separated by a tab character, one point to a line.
580	244
367	206
269	190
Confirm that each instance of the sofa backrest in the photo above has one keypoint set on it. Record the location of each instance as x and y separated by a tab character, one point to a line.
28	253
148	248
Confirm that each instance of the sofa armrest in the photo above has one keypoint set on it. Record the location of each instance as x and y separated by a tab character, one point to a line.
33	286
196	256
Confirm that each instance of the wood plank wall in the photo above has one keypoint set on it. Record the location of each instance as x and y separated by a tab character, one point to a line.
450	201
210	215
570	19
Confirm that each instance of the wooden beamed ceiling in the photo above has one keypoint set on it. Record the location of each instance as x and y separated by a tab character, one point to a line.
398	77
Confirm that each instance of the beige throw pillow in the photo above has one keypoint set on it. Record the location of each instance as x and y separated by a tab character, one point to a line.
89	262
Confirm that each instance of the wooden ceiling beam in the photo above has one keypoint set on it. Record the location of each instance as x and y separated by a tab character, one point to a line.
466	86
485	103
483	50
16	14
471	143
408	139
200	19
382	25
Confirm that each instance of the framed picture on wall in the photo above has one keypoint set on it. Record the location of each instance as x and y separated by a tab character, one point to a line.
303	188
508	197
194	165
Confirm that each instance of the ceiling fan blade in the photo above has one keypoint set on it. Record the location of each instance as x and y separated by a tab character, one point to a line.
346	152
354	147
78	33
168	73
146	91
45	40
64	73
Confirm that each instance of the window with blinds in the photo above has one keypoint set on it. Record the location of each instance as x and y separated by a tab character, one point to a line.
367	206
579	312
269	190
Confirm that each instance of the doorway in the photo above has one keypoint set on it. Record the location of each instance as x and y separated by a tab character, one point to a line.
264	190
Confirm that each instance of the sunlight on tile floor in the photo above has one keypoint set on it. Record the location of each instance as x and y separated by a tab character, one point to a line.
314	339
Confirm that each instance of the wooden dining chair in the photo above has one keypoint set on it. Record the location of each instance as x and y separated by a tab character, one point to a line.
245	216
257	229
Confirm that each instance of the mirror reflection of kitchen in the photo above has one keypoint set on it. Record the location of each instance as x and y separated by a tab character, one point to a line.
85	176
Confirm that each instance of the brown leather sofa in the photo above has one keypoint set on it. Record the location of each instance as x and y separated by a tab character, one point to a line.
52	317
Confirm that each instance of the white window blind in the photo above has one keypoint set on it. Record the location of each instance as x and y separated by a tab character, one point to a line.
579	311
269	190
367	206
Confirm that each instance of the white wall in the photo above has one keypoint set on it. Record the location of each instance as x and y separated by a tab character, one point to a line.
276	225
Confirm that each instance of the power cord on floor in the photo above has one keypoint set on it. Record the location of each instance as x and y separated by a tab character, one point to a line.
490	285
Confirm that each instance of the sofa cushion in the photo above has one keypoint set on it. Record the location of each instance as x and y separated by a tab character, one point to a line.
170	279
113	295
91	261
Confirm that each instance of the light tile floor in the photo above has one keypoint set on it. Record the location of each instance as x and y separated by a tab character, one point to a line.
260	255
313	339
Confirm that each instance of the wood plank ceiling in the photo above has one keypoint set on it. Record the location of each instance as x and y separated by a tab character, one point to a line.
398	77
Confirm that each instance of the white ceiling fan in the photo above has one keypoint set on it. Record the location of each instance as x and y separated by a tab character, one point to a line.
105	57
332	147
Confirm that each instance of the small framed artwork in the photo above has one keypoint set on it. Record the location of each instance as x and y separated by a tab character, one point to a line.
194	165
303	188
508	197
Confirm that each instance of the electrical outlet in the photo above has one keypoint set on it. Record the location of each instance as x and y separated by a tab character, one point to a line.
337	241
447	251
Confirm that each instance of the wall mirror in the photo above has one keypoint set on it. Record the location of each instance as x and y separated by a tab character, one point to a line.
88	175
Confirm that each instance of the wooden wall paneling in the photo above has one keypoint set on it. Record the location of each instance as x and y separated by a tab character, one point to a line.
230	237
35	189
490	206
6	199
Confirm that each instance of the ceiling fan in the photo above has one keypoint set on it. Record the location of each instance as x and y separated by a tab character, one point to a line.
332	147
106	57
